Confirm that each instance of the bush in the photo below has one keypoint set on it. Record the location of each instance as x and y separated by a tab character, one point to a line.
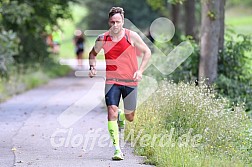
188	70
198	128
234	69
30	20
9	48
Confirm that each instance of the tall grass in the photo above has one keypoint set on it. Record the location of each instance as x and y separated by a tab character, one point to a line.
189	126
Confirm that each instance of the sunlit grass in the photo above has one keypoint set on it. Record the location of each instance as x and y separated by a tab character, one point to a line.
239	19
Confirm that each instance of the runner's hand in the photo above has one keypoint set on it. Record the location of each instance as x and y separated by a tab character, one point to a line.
137	76
92	73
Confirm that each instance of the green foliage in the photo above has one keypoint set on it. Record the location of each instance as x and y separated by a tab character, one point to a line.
234	68
99	12
162	4
34	15
131	8
234	62
16	13
32	52
231	3
211	15
198	129
188	70
159	6
136	16
236	91
9	47
29	20
176	1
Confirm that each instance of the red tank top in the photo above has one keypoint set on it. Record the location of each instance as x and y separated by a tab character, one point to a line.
121	60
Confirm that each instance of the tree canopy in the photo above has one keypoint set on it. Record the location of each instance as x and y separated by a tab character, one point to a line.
27	22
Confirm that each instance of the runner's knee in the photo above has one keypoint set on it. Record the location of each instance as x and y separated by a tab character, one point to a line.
130	117
112	113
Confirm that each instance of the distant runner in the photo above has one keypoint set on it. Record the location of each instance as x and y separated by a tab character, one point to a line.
79	46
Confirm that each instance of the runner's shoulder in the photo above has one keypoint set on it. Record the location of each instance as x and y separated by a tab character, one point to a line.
101	37
133	33
134	36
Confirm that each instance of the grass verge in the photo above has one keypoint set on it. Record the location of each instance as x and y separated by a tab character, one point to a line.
22	79
184	125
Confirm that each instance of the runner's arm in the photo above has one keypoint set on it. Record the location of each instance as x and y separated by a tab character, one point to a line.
95	50
144	49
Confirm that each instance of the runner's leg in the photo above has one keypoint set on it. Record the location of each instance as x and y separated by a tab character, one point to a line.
130	100
112	96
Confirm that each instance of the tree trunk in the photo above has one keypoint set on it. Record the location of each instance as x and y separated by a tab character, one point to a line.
210	35
190	17
222	25
175	14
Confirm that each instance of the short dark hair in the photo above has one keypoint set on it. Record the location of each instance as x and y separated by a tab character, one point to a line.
115	10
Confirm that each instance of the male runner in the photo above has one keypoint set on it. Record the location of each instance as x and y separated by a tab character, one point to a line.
121	47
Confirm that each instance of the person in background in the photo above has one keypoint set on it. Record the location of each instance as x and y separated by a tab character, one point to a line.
79	46
49	40
56	38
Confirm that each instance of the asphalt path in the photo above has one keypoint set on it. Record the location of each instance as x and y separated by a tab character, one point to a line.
60	124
